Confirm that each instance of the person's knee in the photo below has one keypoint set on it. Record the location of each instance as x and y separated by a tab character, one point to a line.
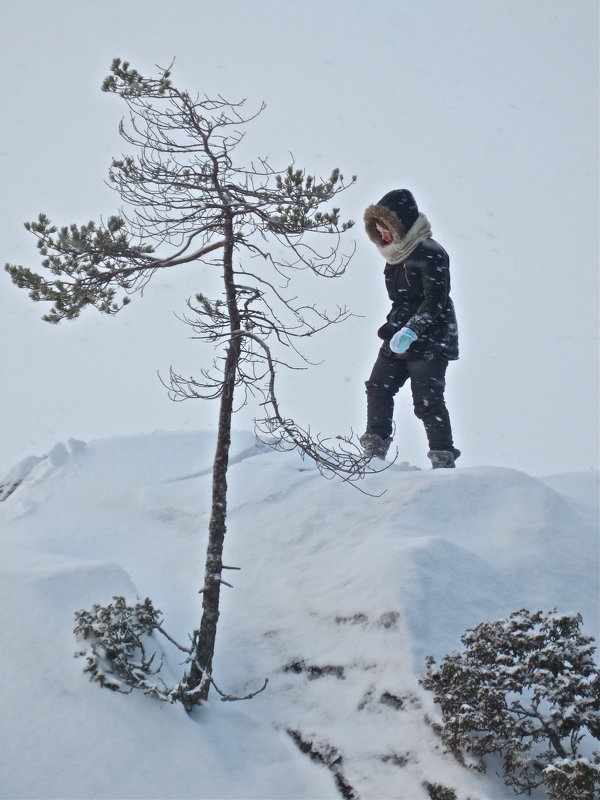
421	408
429	406
380	387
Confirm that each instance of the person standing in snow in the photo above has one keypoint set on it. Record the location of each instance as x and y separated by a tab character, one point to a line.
420	335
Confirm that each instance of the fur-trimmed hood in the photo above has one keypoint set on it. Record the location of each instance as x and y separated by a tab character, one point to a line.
385	217
397	211
403	243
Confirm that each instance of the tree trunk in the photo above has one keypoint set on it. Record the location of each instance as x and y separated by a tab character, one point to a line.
197	683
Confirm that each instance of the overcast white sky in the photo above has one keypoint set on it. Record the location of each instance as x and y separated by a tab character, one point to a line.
486	109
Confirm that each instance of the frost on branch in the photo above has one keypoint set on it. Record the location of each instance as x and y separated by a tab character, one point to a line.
527	689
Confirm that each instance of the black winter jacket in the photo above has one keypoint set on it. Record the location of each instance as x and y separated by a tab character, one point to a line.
419	289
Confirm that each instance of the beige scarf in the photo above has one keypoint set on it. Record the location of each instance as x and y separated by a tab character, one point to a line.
399	250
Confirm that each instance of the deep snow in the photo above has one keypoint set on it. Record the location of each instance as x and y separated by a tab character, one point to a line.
330	577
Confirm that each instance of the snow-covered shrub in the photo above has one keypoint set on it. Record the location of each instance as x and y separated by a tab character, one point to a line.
527	689
573	779
117	637
438	792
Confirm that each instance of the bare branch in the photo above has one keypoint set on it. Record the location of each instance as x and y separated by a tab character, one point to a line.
166	635
230	697
347	462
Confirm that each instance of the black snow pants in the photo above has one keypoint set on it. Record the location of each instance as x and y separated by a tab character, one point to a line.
427	381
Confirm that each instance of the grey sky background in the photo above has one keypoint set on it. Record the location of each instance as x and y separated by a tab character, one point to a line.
486	109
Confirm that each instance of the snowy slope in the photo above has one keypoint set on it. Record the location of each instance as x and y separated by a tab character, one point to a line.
340	597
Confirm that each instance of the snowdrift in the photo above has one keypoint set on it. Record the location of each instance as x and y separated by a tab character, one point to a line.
340	597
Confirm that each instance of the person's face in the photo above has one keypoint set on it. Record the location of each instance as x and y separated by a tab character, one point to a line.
386	236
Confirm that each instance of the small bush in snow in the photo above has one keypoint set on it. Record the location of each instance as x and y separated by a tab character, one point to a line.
527	689
118	637
116	656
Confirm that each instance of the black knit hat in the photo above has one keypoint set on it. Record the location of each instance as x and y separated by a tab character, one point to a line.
403	204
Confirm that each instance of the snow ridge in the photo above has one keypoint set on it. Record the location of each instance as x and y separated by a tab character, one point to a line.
340	597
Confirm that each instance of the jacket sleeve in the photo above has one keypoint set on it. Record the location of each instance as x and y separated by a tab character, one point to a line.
435	273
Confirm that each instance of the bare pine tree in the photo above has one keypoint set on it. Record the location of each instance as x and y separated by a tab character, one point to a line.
186	200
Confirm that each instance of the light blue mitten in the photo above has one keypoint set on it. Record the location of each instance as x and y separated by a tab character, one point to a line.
402	340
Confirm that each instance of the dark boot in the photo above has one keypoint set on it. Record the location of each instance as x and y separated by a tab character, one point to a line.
443	459
375	446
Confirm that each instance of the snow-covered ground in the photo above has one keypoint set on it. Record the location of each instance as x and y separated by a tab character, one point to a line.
340	597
